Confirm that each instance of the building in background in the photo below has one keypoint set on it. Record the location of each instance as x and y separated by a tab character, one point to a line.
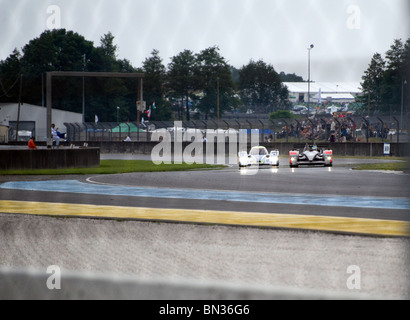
342	92
32	121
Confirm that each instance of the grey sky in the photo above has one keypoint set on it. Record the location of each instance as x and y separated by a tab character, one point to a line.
345	33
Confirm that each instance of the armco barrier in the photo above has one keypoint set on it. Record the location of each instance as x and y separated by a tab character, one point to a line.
18	159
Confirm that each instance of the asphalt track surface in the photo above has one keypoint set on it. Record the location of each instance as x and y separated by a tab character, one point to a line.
361	213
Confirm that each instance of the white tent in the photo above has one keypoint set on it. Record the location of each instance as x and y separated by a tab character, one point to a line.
337	90
335	97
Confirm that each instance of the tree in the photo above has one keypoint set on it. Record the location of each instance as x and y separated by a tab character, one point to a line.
260	87
281	114
154	87
62	50
290	77
10	71
181	79
406	76
108	46
212	77
383	81
235	76
54	50
373	80
109	97
104	56
394	75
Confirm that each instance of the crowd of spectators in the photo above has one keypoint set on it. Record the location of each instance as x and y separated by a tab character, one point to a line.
333	129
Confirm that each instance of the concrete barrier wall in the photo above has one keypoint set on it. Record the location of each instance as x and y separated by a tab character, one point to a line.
339	149
17	159
90	157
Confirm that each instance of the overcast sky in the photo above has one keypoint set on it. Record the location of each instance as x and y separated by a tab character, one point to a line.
345	33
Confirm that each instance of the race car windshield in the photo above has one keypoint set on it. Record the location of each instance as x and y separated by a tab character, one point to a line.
259	151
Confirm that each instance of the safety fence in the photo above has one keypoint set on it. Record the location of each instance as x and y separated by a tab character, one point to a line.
319	129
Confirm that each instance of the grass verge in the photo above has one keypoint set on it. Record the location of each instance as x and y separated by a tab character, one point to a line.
393	166
115	166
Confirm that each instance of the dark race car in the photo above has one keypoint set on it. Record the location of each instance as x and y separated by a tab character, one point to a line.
310	154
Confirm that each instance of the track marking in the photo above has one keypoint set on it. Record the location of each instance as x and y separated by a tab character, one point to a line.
277	220
74	186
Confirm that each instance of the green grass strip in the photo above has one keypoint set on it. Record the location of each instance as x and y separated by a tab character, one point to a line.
393	166
115	166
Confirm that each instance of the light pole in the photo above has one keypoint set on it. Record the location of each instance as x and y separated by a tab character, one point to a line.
118	114
217	99
83	90
403	82
310	48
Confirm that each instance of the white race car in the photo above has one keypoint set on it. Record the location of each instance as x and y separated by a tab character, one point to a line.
258	155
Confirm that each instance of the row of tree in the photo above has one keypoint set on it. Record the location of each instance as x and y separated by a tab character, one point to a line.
202	82
385	82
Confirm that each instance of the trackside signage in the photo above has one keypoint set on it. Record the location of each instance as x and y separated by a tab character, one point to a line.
386	149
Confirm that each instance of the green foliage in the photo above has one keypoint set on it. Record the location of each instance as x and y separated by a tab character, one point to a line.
383	81
260	87
394	166
154	89
10	70
290	77
213	78
281	114
191	81
181	81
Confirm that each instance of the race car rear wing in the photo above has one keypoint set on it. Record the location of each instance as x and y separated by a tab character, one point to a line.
302	145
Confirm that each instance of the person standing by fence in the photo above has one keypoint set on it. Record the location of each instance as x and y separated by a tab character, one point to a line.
54	134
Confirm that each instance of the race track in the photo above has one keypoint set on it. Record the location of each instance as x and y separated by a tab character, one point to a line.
361	213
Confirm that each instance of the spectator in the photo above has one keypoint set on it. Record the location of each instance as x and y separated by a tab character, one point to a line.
32	144
332	126
54	135
343	134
